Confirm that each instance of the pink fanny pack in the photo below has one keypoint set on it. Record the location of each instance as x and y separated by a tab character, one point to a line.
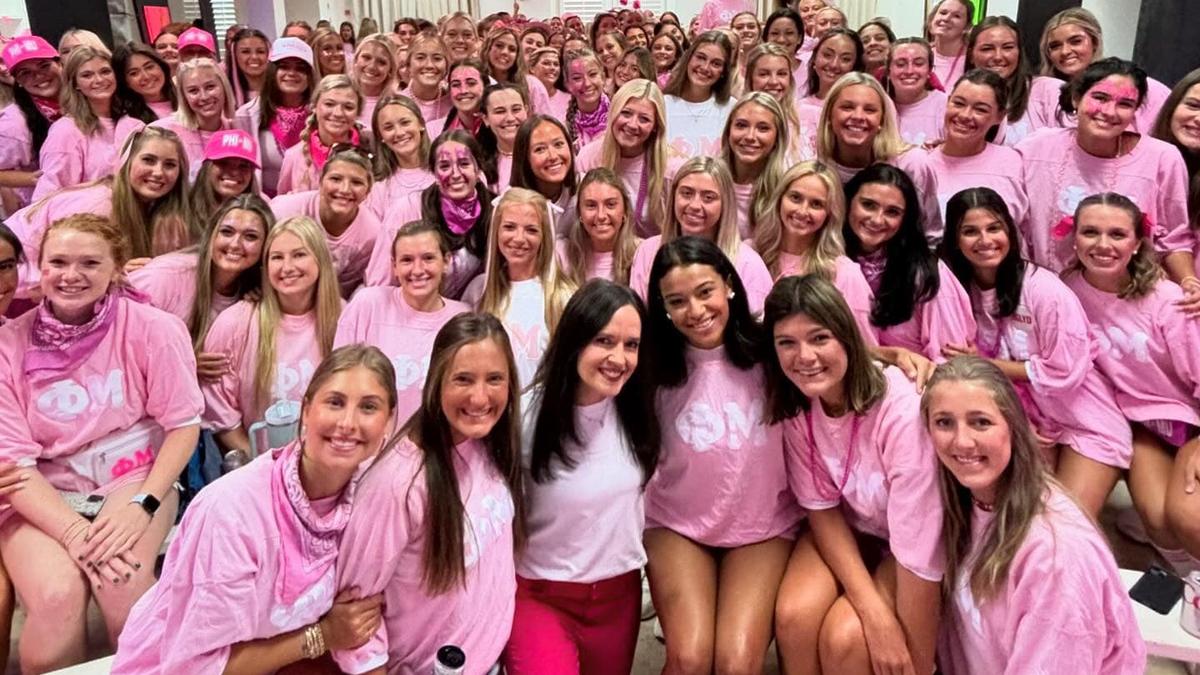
108	459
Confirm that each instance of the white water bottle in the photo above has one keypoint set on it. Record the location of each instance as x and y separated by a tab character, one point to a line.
450	661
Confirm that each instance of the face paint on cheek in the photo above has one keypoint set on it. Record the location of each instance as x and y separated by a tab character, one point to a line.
451	159
1118	94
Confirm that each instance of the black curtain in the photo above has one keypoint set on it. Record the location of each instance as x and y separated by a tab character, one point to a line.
51	18
1168	39
1032	16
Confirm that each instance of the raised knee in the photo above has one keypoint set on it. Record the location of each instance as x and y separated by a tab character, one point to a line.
692	659
841	637
738	660
1182	518
796	614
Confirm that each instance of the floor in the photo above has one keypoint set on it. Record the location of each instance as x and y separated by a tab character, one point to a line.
650	652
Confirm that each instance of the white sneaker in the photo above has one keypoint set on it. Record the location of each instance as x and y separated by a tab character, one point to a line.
647	601
1130	524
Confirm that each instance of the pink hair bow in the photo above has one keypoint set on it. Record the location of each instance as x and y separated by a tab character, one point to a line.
1063	227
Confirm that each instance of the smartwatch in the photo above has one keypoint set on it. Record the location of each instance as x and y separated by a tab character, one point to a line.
147	501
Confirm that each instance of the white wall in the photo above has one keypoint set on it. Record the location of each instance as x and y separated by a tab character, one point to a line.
1119	19
14	9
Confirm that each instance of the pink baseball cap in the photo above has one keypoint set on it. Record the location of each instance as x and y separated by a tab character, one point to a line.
232	144
195	37
27	47
291	48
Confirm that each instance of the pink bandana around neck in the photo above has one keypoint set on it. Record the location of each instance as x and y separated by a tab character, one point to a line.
287	125
320	152
57	347
461	215
308	541
592	124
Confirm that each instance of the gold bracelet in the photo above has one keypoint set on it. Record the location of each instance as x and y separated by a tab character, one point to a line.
310	645
1190	277
319	634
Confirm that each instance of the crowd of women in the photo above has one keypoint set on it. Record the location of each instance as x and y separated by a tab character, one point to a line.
844	338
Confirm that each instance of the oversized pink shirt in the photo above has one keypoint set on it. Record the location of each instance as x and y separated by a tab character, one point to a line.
230	401
270	155
1038	112
296	173
161	109
584	524
221	581
849	280
383	550
924	121
946	318
351	250
504	163
16	146
30	223
1066	396
629	170
756	278
69	157
600	263
559	100
997	167
142	372
1062	608
914	162
396	189
743	193
721	479
879	467
949	68
170	281
194	140
1059	174
1149	350
380	316
436	109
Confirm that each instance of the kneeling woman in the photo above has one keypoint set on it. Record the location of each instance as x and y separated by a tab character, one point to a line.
437	516
861	592
271	566
1017	545
590	445
719	517
99	397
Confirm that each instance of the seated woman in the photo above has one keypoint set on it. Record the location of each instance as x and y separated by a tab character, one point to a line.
402	322
1005	584
101	405
438	515
229	167
262	594
273	345
862	588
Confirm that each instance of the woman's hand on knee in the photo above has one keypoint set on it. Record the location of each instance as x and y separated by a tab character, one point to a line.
116	532
886	643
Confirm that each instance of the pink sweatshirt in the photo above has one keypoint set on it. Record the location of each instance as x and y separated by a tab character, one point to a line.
194	140
69	157
997	167
1045	98
383	550
170	281
720	479
222	580
585	524
1059	175
351	250
438	108
1037	114
30	223
1066	397
230	401
944	319
1062	609
525	320
629	170
142	374
914	162
756	278
1149	350
16	146
848	278
380	316
924	121
881	469
388	193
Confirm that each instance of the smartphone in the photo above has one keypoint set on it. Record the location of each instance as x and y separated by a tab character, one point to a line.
1158	589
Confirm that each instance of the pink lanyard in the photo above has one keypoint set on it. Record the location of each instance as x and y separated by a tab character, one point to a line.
812	450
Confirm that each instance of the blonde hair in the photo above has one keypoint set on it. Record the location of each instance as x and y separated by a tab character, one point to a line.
516	76
822	257
726	237
86	38
887	144
185	114
579	244
167	224
772	171
313	42
380	41
327	84
74	104
327	303
761	51
1079	17
556	289
656	146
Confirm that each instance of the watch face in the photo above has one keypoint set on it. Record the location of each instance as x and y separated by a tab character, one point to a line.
147	502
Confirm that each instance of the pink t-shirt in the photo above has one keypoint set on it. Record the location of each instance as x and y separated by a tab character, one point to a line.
756	278
997	167
847	278
585	523
194	140
629	170
743	193
16	146
230	401
600	264
161	109
69	157
380	316
946	318
924	121
1043	100
388	193
949	68
914	162
880	467
30	223
351	250
1062	609
368	111
221	580
1066	396
383	550
142	374
1149	350
1059	174
504	163
720	479
170	281
438	108
720	13
559	100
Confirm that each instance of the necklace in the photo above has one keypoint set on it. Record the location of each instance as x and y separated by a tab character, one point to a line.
982	506
812	452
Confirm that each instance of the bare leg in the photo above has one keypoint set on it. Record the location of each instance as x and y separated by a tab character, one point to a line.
843	644
749	582
806	593
1088	480
1183	509
1149	475
683	584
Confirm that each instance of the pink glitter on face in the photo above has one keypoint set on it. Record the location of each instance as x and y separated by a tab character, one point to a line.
454	165
1114	96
